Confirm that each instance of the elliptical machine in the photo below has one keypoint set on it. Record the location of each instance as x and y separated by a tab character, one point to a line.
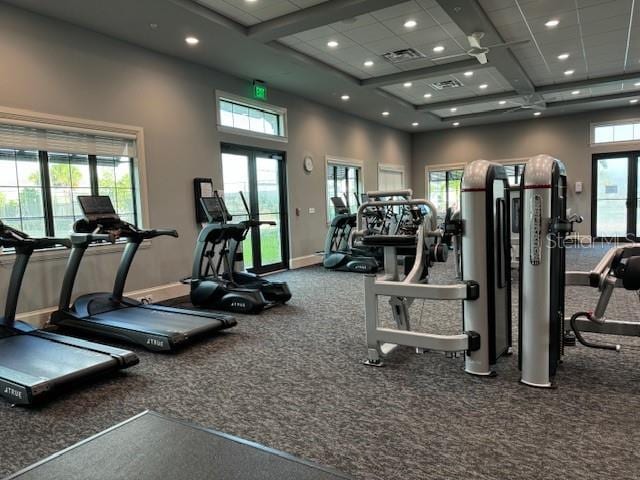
338	252
216	251
277	292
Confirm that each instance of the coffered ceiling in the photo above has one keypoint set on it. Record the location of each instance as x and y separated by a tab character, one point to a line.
568	56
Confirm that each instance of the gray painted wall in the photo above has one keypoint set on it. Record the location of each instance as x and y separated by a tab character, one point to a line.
566	138
56	68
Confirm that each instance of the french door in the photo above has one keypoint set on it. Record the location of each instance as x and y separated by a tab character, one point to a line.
614	196
260	175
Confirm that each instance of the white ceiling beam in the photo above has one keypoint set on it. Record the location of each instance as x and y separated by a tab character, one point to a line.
420	73
550	106
589	82
210	15
459	102
315	16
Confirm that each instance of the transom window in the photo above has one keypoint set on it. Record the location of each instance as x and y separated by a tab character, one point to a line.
615	132
256	118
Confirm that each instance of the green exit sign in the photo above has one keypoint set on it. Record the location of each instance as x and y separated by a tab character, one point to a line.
259	90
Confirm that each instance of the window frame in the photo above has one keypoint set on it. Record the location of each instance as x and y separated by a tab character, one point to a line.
14	116
612	123
280	112
331	161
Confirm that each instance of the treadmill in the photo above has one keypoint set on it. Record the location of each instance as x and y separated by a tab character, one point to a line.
112	315
33	362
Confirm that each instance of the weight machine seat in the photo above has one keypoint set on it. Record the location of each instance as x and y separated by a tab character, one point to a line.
631	275
389	240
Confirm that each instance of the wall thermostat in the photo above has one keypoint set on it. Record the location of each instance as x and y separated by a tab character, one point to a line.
578	187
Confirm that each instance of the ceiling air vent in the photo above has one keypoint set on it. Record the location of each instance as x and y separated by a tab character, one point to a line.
404	55
446	84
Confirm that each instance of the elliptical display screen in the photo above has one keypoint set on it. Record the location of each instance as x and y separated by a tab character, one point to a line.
215	208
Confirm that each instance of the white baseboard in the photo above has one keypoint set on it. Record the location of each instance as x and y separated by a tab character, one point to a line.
301	262
38	318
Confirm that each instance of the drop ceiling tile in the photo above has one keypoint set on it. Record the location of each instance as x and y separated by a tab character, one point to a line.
490	5
320	32
274	10
396	10
452	30
230	11
385	45
602	11
422	18
321	43
605	25
427	39
353	23
547	8
618	38
506	16
439	15
369	33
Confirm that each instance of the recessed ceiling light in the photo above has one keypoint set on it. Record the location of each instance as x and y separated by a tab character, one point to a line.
385	114
637	84
455	124
563	56
332	44
368	63
415	124
438	48
575	92
454	109
427	95
552	23
502	102
410	23
251	1
537	114
345	97
635	100
468	74
153	26
483	86
192	41
569	72
407	84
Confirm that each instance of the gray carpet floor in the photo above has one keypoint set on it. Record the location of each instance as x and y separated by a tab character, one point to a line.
292	379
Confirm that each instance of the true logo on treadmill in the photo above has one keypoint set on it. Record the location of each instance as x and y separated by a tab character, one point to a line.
13	392
155	342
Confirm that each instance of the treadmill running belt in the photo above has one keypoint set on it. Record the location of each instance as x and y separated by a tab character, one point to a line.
151	446
156	321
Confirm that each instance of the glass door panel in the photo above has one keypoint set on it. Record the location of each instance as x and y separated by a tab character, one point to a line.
269	205
235	176
259	176
611	197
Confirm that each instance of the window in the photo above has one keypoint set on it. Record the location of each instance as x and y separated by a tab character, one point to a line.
444	190
260	119
514	173
390	177
343	181
615	132
40	181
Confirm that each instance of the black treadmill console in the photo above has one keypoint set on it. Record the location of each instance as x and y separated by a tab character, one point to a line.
98	208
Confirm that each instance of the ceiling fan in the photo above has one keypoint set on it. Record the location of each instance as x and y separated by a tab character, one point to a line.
478	51
531	102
